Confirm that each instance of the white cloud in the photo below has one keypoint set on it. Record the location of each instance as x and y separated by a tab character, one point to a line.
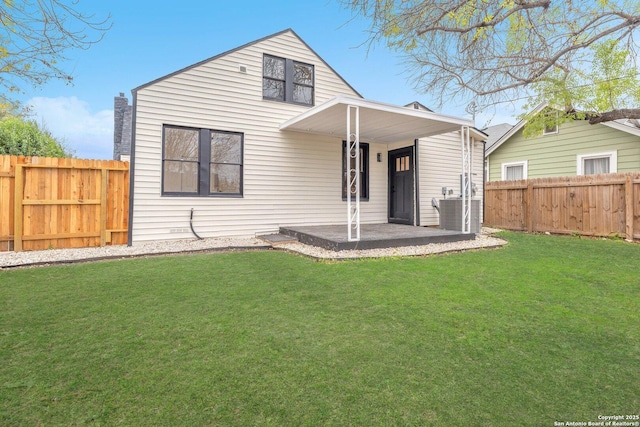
88	134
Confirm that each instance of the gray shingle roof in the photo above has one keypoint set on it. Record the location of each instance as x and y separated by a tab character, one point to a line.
495	132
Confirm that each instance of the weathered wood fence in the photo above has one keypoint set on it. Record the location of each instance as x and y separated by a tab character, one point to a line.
592	205
62	203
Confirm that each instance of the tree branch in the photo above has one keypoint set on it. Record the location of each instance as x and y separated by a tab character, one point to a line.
609	116
36	34
522	6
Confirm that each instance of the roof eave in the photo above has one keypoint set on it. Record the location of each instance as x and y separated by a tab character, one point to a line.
408	123
514	129
622	127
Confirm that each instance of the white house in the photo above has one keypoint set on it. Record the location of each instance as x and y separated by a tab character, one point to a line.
258	137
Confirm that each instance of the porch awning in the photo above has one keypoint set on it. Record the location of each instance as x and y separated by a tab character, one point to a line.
379	122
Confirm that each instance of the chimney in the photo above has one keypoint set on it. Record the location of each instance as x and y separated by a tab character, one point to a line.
121	127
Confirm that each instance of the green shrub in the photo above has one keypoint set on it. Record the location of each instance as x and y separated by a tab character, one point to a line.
26	138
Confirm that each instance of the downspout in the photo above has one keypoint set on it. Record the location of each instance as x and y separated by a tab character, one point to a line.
132	165
485	164
416	169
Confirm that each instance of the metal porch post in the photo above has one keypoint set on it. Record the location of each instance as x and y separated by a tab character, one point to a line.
466	179
353	174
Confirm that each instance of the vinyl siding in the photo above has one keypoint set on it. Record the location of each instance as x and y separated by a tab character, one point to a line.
289	178
556	154
440	166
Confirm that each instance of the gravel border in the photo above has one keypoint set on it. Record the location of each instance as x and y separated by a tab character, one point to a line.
67	256
484	240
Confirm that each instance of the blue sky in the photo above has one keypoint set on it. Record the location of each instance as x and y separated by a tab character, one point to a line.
150	39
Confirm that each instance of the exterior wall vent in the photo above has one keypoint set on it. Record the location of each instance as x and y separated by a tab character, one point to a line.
242	69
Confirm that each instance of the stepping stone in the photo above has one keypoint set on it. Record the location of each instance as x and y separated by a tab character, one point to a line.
277	239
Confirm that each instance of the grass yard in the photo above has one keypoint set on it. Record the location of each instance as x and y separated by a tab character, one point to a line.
544	330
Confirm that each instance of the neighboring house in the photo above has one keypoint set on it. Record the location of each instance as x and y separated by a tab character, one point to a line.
494	133
253	139
121	128
576	148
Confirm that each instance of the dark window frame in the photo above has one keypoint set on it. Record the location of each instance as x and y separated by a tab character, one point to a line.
289	83
364	186
204	164
301	84
165	160
274	79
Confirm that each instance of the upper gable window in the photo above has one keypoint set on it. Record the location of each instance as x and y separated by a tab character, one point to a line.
302	83
273	80
550	130
287	80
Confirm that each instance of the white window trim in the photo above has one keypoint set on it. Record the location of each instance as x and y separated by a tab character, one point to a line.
487	170
523	163
612	155
553	132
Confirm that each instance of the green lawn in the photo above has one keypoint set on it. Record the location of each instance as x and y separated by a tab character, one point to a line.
546	329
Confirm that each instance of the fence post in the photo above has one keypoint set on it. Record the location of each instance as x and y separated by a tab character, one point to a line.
103	206
529	206
628	202
18	196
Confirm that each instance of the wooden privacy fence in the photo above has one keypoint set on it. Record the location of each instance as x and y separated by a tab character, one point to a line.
62	203
591	205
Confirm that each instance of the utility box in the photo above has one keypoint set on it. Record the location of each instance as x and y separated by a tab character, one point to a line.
451	214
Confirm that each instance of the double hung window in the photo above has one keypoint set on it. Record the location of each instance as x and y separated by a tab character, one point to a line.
287	80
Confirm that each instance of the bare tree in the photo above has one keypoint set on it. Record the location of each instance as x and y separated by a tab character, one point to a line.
35	36
493	50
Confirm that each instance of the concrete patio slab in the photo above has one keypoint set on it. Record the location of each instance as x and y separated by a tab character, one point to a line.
372	236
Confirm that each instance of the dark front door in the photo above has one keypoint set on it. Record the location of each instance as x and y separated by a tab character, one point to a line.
401	186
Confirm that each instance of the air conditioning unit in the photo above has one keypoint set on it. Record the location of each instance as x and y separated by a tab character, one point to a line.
451	214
